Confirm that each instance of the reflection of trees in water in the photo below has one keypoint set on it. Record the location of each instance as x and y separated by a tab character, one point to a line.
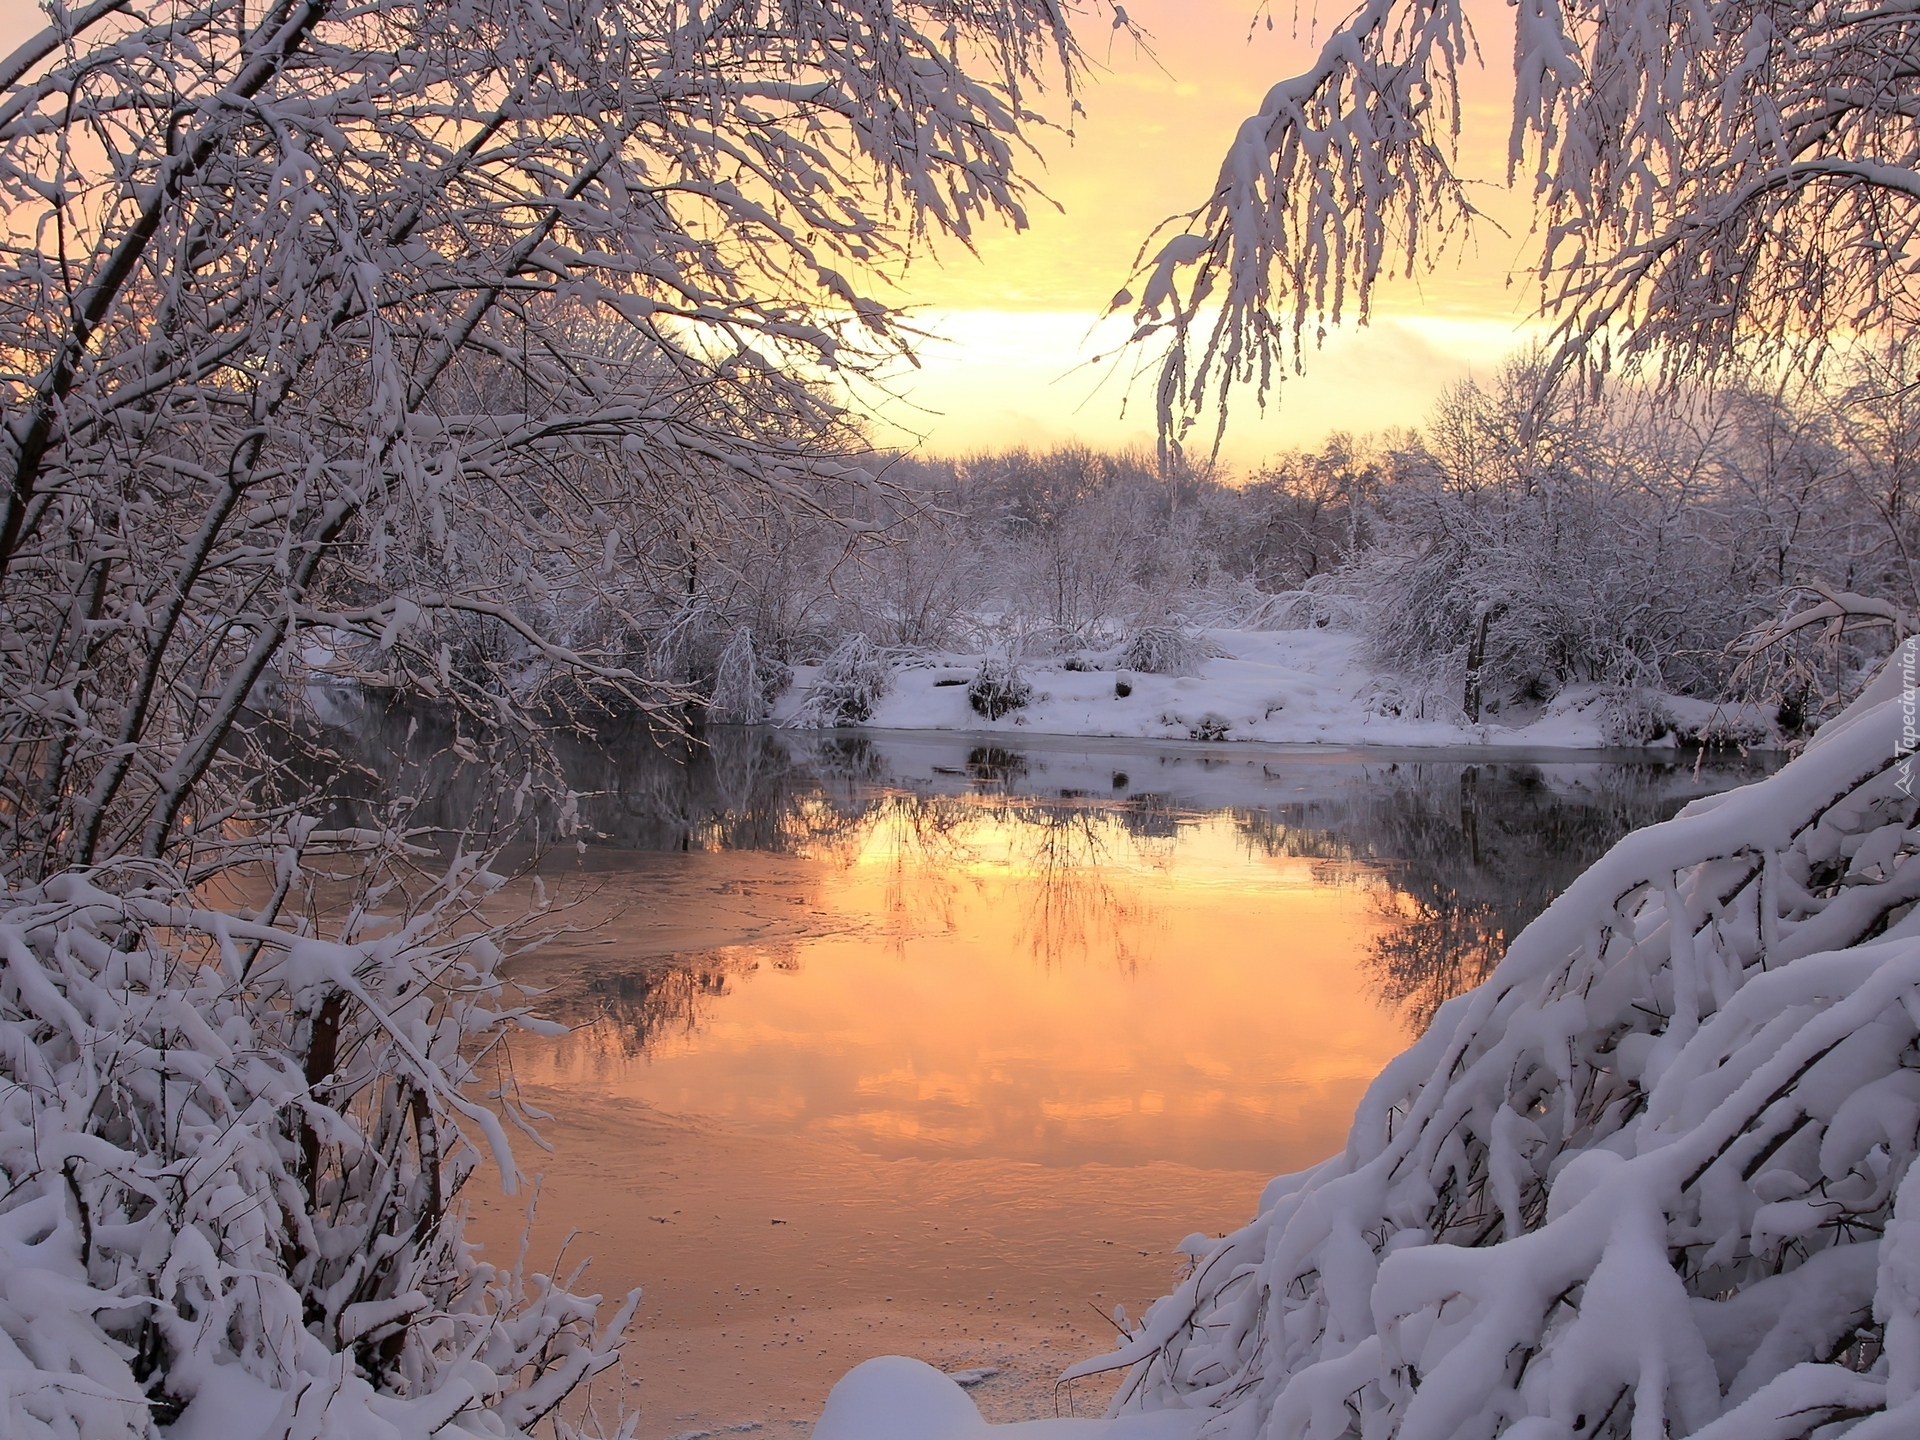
732	789
1076	910
629	785
1055	854
1146	815
626	1012
1465	855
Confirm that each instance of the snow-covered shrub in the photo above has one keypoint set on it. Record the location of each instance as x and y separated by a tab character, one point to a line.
1733	727
852	681
1406	695
1162	649
1237	604
1633	715
1210	727
999	687
745	683
1652	1177
1324	602
231	1154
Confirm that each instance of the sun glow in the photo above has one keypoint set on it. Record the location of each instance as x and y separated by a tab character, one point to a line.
1019	322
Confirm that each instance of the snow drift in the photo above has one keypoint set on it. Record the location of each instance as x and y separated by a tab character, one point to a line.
1653	1177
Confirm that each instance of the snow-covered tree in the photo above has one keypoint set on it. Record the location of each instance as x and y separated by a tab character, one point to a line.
292	295
1706	175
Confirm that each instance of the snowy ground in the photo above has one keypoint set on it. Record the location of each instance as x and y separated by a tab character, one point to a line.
1283	687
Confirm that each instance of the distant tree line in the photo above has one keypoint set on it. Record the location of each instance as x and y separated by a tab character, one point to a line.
1526	538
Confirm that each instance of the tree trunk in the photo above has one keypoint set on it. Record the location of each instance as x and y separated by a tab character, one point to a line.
1476	655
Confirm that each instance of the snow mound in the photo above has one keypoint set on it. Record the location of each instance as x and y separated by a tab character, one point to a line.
895	1398
1653	1177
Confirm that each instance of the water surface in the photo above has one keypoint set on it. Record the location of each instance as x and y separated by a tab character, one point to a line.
914	1044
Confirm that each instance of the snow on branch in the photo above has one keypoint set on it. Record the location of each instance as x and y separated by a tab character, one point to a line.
1345	175
1654	1176
1718	174
1834	611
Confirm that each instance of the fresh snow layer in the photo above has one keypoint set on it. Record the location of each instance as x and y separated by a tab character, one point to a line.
1281	687
895	1398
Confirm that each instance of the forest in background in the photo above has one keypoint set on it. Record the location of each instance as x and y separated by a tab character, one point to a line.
1628	538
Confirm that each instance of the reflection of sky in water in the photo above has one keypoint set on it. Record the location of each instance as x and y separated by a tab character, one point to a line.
853	1013
1035	984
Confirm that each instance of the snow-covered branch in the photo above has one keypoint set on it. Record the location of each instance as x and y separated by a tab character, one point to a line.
1345	175
232	1153
1713	180
1654	1176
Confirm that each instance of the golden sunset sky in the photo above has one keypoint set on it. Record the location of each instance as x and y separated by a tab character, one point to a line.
1016	322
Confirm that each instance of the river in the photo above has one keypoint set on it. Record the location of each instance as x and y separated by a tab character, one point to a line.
889	1043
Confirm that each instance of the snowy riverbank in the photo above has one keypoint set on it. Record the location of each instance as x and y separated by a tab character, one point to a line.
1283	687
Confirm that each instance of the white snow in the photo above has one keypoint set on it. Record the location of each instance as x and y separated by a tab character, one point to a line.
892	1397
1308	686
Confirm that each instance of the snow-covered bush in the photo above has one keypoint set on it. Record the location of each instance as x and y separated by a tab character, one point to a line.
852	681
1237	605
1324	602
232	1154
1165	649
999	687
1211	727
745	683
1652	1177
1632	715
